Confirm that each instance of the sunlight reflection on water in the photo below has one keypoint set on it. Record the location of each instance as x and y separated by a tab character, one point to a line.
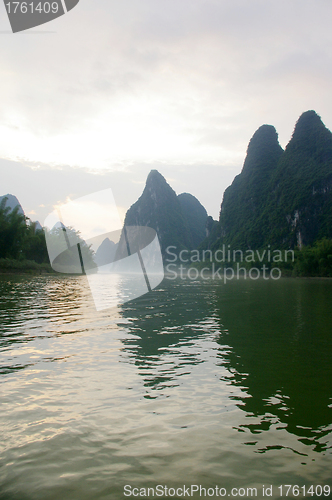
195	383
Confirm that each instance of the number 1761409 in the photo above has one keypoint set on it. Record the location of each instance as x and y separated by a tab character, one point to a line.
31	8
304	491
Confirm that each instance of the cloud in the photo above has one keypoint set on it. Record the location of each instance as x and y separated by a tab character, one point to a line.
40	190
122	86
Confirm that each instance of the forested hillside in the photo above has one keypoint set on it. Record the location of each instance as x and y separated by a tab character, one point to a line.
282	199
22	245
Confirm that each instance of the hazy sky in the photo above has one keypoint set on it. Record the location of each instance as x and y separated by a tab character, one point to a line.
100	96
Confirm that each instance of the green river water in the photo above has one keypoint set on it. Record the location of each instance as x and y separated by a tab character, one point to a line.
227	387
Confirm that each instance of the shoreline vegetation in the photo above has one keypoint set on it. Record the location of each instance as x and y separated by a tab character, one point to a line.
22	244
23	251
23	248
15	266
314	261
310	262
276	217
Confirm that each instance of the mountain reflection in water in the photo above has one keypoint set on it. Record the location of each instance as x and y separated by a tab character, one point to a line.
280	353
195	383
275	342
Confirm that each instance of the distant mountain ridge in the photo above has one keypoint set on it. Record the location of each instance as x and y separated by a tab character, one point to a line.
22	242
178	220
196	217
280	198
105	252
12	202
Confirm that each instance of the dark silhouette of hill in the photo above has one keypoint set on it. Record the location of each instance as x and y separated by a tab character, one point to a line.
281	198
178	220
196	216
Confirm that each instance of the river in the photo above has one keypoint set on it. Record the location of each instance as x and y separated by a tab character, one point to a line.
227	387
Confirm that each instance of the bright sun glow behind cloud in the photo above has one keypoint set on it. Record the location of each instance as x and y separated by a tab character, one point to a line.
134	130
92	215
125	87
190	86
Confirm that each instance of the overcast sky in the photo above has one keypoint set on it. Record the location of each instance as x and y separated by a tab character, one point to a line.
100	96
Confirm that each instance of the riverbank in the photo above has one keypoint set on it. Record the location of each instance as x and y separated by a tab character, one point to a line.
14	266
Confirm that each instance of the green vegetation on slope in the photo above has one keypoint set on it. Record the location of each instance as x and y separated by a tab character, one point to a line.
21	246
281	198
241	211
298	209
314	260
